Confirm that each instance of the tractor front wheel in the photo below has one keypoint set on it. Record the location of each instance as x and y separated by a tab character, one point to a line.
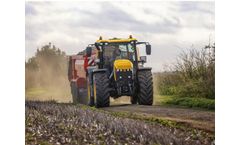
134	99
100	90
145	92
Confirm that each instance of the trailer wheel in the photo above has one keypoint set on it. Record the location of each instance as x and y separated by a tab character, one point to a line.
100	90
79	95
145	92
83	96
74	91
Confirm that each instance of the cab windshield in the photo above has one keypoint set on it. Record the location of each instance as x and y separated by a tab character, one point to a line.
115	51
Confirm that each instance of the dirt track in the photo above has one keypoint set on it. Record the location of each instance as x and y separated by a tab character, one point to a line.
194	118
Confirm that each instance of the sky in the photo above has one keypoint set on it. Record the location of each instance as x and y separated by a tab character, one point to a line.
169	27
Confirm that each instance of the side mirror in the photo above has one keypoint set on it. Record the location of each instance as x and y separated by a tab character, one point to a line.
89	51
143	59
148	49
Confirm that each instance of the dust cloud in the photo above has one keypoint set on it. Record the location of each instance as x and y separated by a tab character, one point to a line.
48	82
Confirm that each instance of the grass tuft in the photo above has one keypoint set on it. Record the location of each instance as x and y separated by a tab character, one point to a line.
185	101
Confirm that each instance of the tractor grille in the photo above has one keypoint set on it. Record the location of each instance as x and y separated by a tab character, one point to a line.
124	81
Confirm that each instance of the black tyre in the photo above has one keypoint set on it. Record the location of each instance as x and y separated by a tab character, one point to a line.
79	95
83	96
134	99
100	89
74	91
145	91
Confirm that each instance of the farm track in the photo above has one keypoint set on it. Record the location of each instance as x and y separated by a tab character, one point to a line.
59	123
195	118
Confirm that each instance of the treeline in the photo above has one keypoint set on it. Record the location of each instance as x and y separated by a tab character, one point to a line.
47	68
193	74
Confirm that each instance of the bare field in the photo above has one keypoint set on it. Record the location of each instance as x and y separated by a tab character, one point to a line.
59	123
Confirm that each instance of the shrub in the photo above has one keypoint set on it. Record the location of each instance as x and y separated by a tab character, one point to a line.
193	75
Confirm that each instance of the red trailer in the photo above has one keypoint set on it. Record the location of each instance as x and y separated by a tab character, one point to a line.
77	76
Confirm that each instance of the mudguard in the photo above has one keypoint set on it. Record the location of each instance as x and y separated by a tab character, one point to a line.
144	68
99	70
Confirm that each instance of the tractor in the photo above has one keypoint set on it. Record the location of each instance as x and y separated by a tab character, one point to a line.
111	68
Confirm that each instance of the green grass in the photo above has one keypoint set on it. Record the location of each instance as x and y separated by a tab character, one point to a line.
190	102
162	99
193	102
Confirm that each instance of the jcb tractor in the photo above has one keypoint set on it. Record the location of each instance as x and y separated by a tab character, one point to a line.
111	68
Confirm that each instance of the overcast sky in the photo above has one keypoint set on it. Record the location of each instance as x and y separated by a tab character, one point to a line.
168	26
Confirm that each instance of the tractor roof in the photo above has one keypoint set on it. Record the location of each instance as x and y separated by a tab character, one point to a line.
116	40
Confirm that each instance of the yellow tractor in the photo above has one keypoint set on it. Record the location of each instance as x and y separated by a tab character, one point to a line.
114	68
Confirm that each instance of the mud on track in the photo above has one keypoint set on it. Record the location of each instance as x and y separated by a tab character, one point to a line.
55	123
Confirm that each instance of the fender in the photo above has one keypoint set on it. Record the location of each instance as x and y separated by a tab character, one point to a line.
99	70
144	68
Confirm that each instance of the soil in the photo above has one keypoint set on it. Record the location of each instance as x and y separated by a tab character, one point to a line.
66	123
197	118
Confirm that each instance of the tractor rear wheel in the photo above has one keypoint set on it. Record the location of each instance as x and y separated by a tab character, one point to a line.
145	92
100	90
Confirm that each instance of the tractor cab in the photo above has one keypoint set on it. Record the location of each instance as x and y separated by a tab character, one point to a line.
119	48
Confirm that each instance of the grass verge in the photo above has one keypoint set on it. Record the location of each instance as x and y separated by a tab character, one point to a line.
186	102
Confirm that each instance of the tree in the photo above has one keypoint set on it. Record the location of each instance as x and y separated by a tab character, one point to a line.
48	67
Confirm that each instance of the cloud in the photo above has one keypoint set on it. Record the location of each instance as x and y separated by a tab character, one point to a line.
191	6
168	26
114	18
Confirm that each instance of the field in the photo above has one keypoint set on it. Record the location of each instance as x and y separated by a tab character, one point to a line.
64	123
46	94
